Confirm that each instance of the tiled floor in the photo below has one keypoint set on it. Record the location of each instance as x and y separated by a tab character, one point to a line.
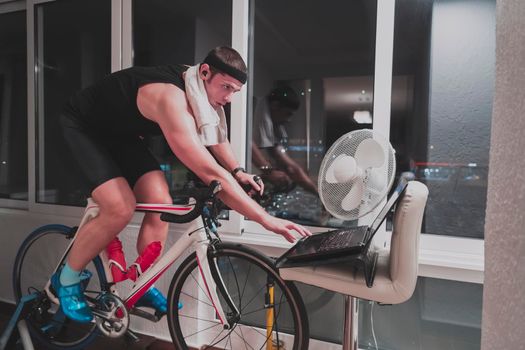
144	343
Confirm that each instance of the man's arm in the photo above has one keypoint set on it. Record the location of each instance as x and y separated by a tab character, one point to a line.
224	154
294	170
277	177
167	105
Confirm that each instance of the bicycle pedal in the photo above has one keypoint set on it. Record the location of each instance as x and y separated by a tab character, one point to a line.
146	315
159	315
131	336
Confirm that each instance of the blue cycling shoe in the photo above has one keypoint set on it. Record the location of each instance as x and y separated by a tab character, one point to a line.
154	299
72	301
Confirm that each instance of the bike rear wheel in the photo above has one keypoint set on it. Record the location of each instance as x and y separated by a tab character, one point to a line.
36	260
246	275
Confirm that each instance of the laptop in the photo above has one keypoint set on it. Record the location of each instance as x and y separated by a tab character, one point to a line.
341	242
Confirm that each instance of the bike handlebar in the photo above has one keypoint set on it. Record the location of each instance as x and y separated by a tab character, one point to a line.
201	195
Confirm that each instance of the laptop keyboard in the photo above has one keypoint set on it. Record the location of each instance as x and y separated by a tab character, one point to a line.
338	240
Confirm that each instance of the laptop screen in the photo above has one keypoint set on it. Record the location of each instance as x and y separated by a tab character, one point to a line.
403	181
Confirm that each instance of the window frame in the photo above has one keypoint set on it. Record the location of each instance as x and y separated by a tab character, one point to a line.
437	259
443	257
7	6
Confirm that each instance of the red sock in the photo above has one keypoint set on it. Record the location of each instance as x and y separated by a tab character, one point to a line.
148	256
117	260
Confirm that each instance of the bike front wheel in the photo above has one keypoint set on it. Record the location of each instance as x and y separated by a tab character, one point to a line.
271	309
38	257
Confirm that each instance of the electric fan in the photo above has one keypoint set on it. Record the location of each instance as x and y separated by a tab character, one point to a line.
356	174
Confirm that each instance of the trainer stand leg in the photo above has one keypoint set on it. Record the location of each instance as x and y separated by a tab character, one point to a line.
18	319
351	322
25	337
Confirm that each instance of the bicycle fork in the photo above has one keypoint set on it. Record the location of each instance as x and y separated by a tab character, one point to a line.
213	281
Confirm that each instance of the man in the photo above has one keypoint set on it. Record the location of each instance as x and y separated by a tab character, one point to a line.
104	126
270	137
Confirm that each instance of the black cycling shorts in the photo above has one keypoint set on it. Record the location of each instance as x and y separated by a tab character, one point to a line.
102	157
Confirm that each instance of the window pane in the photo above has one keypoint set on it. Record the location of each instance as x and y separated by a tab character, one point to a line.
13	105
73	50
313	71
177	32
443	76
442	314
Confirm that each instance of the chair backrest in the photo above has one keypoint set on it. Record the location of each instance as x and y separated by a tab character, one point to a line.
404	245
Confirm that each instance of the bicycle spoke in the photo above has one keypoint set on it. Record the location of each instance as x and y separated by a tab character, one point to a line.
202	330
213	342
230	340
252	299
236	281
244	341
246	282
200	319
262	308
202	301
246	277
200	287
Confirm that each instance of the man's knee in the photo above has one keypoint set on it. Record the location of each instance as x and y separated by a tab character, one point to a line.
157	197
118	213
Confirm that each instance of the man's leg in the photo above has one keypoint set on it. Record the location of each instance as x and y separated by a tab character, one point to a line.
116	207
152	188
117	203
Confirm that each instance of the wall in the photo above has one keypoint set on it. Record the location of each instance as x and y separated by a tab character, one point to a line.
504	304
462	74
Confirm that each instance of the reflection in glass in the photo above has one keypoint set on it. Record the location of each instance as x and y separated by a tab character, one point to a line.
170	32
13	106
72	52
443	75
313	69
441	314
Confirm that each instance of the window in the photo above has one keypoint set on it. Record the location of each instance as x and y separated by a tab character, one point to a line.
441	314
13	106
72	52
442	90
312	74
177	32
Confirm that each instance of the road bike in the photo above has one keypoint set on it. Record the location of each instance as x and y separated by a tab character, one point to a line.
231	296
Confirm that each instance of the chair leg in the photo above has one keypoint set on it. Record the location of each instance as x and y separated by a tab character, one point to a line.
351	322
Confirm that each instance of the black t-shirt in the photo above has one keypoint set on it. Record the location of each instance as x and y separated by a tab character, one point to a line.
110	105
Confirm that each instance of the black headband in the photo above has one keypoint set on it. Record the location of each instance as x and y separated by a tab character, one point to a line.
216	62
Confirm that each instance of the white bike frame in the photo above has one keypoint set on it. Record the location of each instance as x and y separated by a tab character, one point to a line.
196	238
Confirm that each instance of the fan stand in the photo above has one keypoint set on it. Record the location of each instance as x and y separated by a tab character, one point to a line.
368	262
351	322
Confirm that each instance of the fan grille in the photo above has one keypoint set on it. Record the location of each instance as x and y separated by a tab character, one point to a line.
377	181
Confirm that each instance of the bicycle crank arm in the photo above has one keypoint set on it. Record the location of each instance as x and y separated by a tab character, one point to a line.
144	314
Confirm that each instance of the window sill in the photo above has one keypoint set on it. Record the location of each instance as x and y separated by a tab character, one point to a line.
445	257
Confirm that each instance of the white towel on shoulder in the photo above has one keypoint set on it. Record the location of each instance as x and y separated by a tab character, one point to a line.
211	123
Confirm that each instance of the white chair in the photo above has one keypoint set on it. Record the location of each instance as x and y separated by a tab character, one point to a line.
396	271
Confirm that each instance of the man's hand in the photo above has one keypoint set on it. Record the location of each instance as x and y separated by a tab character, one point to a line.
285	228
279	178
250	179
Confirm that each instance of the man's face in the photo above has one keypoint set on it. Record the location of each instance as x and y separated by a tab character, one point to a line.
220	87
280	114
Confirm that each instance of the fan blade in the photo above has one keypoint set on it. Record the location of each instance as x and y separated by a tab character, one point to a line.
377	179
353	199
342	170
369	154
